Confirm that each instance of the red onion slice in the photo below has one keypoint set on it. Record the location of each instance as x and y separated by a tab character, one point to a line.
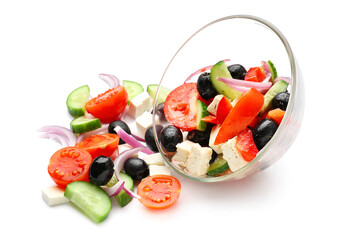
131	140
138	137
56	137
247	84
111	80
266	68
119	165
68	134
286	79
115	190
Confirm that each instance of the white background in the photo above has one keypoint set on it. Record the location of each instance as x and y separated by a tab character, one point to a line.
48	48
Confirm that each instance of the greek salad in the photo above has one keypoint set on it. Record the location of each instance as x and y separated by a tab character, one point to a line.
208	127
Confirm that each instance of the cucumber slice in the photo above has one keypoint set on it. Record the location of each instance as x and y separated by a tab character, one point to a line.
280	86
220	70
132	88
202	112
272	70
83	124
219	166
162	95
122	198
76	101
91	199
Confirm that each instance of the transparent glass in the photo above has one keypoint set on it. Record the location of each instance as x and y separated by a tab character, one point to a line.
246	40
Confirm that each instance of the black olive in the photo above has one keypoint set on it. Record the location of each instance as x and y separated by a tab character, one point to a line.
205	87
213	157
237	71
263	132
149	137
170	137
201	137
281	100
136	168
101	170
121	124
160	112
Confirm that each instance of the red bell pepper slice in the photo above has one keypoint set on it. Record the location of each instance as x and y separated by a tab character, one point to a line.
209	119
245	145
255	74
223	109
276	115
240	116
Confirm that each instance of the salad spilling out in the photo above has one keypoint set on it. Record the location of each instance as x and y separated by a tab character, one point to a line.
208	127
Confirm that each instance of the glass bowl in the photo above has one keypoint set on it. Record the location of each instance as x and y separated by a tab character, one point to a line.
246	40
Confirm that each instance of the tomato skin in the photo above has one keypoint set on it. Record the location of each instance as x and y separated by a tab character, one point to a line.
255	74
69	164
240	116
108	106
100	145
245	145
180	107
224	108
159	191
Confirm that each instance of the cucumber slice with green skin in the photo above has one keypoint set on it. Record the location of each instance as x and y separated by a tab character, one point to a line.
122	198
272	70
220	70
91	199
162	95
77	100
280	86
202	112
132	88
219	166
83	124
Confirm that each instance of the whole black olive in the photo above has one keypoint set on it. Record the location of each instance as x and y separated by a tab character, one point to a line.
149	137
237	71
170	137
121	124
136	168
101	170
205	87
281	100
213	157
263	132
160	112
201	137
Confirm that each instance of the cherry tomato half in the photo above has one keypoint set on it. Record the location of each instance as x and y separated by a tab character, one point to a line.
109	105
101	144
180	107
159	191
69	164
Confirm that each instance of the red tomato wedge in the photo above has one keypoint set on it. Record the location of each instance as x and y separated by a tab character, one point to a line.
246	146
100	145
69	164
108	106
223	109
180	107
159	191
276	115
240	116
209	119
255	74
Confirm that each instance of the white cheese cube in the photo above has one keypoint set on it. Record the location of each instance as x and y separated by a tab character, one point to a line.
198	160
124	147
143	122
232	156
54	196
156	169
213	135
212	108
154	159
182	152
139	104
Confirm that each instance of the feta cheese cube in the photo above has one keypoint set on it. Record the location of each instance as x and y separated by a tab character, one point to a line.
124	147
232	156
156	169
139	104
154	159
212	108
213	135
54	196
198	161
143	122
182	152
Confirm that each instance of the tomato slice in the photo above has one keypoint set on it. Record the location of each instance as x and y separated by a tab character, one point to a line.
255	74
223	109
245	145
109	105
69	164
100	145
159	191
180	107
